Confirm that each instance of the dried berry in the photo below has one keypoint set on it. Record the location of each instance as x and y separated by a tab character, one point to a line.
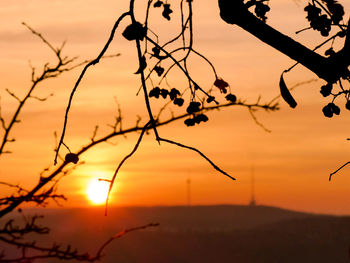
154	92
167	11
159	70
189	122
202	117
134	31
342	33
221	84
193	107
317	21
174	93
179	101
336	10
327	111
330	109
326	90
158	4
260	10
335	109
197	119
71	158
164	93
156	51
312	12
210	99
230	97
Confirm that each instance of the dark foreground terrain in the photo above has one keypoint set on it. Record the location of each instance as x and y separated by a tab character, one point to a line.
240	234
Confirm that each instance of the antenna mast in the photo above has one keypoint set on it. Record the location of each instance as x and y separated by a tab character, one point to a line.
252	198
188	181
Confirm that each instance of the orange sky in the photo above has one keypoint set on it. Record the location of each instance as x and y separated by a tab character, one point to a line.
291	164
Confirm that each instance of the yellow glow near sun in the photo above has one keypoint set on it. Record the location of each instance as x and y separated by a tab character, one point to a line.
97	191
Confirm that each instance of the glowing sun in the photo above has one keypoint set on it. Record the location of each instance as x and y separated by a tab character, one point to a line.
97	191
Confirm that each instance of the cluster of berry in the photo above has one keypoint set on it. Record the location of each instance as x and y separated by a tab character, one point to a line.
166	8
318	21
173	94
260	9
193	108
323	22
331	108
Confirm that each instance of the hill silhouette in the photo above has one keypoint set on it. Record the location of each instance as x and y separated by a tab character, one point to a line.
223	233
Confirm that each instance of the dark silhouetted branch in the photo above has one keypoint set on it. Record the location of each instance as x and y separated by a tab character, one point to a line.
91	63
13	235
200	153
341	167
329	69
60	169
64	64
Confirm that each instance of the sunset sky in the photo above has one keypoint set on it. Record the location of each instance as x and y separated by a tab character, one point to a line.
291	164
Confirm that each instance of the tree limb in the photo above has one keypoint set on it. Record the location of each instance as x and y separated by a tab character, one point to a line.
329	69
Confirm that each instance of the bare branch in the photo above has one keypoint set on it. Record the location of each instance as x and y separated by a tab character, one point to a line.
124	159
341	167
257	121
329	69
55	251
64	64
42	38
94	133
136	128
3	124
121	234
13	95
91	63
200	153
41	99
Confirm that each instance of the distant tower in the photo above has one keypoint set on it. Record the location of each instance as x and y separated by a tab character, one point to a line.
188	182
252	198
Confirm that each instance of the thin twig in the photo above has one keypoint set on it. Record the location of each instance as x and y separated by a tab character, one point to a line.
341	167
122	162
200	153
91	63
122	233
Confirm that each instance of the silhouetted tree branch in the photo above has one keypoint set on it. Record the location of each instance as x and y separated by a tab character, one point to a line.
138	33
64	64
44	180
161	58
322	15
46	188
29	251
329	69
